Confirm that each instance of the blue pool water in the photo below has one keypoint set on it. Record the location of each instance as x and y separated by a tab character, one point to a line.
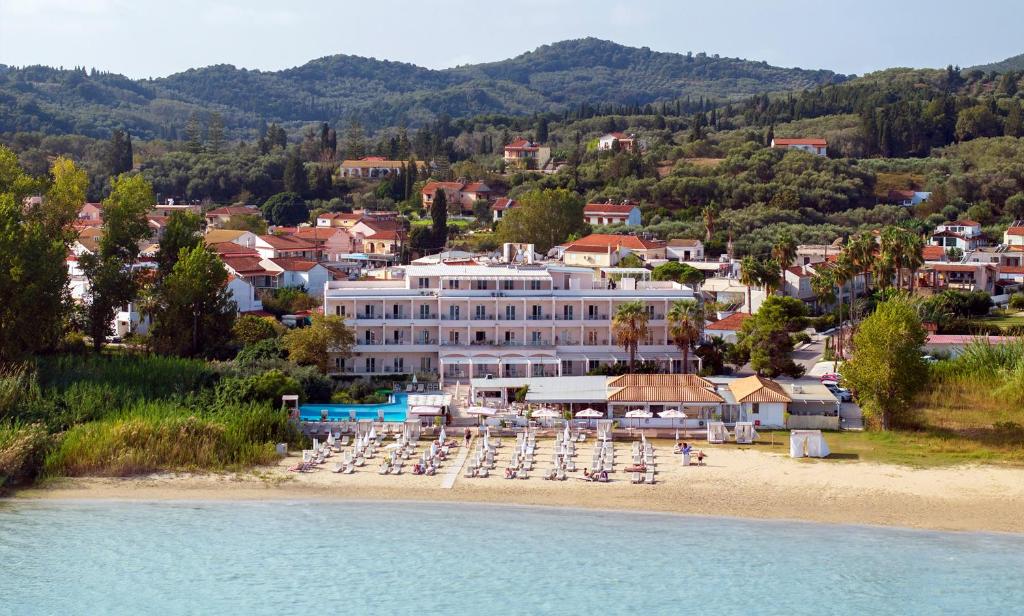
410	558
393	411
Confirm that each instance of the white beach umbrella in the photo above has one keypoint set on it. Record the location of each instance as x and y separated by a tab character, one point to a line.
589	413
639	414
425	410
546	413
441	436
484	411
373	433
673	414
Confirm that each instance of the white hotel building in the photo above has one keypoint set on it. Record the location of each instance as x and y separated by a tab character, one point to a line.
469	320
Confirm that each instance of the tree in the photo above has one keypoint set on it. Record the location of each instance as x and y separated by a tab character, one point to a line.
183	231
1013	126
109	270
250	329
247	222
355	141
976	121
33	248
439	218
629	326
542	129
842	274
766	337
543	217
119	153
678	272
295	178
215	133
685	327
195	312
709	214
631	261
784	252
749	277
886	370
313	345
193	135
285	209
1014	206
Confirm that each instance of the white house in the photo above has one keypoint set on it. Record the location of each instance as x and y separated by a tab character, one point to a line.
243	294
814	145
1014	235
962	234
685	250
625	213
726	328
763	401
619	141
302	273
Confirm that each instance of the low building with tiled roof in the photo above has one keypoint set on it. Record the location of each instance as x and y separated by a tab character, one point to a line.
626	213
376	167
218	217
618	141
525	154
728	327
762	401
272	246
606	250
1014	234
962	234
462	192
500	206
642	390
814	145
685	250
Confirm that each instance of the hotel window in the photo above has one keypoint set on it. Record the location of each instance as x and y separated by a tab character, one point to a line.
510	337
424	283
591	312
396	312
535	337
535	285
453	313
566	367
650	311
535	312
480	313
368	337
424	312
337	311
425	364
368	310
371	364
453	283
593	364
480	285
425	336
453	337
397	337
399	364
510	313
592	338
567	313
506	285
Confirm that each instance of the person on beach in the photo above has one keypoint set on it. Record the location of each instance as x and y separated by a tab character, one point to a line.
700	457
469	435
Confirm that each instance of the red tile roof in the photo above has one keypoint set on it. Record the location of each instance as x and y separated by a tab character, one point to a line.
608	208
286	242
684	243
432	187
901	194
234	210
933	253
231	248
476	187
1015	231
962	223
731	323
521	144
1011	269
503	203
385	235
631	242
294	264
247	265
818	141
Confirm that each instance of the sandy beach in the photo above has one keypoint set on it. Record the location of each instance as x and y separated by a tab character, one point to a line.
735	482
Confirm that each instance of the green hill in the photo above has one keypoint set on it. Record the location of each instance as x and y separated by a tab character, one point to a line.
1016	63
379	92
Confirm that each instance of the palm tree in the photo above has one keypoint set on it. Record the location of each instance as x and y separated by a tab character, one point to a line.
685	326
749	269
784	251
912	248
843	272
709	213
860	249
629	325
883	268
770	275
824	287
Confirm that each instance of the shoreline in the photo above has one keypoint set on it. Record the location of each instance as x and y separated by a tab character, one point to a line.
736	483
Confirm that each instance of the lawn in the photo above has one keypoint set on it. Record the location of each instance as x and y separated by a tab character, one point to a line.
1005	322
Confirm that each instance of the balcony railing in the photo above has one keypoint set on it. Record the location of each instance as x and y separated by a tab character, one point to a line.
596	317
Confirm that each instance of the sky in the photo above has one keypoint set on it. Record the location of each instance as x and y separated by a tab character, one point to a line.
145	38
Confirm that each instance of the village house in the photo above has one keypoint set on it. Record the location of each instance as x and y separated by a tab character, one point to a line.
625	213
962	234
273	246
619	142
907	198
305	273
797	282
243	294
331	243
338	219
91	212
1014	235
500	206
524	154
166	209
684	250
375	167
255	270
218	217
937	277
952	345
726	328
462	192
602	250
235	236
814	145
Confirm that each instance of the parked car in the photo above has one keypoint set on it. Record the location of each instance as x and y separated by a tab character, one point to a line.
830	377
841	393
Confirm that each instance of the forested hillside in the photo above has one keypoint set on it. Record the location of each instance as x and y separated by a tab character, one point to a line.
553	78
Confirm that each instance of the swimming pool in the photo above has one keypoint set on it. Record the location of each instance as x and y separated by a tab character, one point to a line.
393	411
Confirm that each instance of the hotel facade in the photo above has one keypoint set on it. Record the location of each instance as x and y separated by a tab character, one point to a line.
461	321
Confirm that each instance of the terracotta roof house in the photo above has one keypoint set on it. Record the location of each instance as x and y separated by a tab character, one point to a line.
462	192
814	145
631	390
525	154
606	250
619	141
218	217
273	246
625	213
726	328
1014	235
685	250
500	206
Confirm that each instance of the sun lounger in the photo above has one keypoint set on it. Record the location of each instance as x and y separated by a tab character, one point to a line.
637	478
482	472
522	474
560	474
383	469
650	475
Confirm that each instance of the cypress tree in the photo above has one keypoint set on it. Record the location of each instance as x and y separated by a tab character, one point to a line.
439	218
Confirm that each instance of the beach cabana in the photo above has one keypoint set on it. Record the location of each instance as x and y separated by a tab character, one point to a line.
807	444
717	432
745	432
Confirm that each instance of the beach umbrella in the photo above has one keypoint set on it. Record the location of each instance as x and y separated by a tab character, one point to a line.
546	413
441	436
484	411
589	413
425	410
673	414
373	433
639	414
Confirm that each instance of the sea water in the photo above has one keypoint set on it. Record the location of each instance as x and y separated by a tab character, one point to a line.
409	558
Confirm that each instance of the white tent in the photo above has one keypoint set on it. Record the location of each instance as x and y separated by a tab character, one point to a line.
717	432
807	444
745	432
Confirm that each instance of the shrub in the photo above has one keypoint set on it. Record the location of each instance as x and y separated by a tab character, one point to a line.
1017	301
250	329
268	386
261	352
22	453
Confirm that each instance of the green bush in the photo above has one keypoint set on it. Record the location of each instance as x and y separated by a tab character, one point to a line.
1017	301
268	386
23	451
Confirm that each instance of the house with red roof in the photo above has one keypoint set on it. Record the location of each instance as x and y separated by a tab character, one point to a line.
1014	234
907	198
218	217
624	213
619	142
962	234
726	328
91	212
298	272
500	206
606	250
814	145
937	277
462	192
272	246
525	154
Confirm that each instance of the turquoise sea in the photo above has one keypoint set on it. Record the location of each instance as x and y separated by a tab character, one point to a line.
294	558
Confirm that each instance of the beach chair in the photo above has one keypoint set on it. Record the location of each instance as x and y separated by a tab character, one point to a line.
522	474
396	469
470	471
608	467
383	469
650	475
482	472
349	469
637	478
560	474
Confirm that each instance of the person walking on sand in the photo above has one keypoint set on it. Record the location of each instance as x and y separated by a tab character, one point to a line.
469	435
